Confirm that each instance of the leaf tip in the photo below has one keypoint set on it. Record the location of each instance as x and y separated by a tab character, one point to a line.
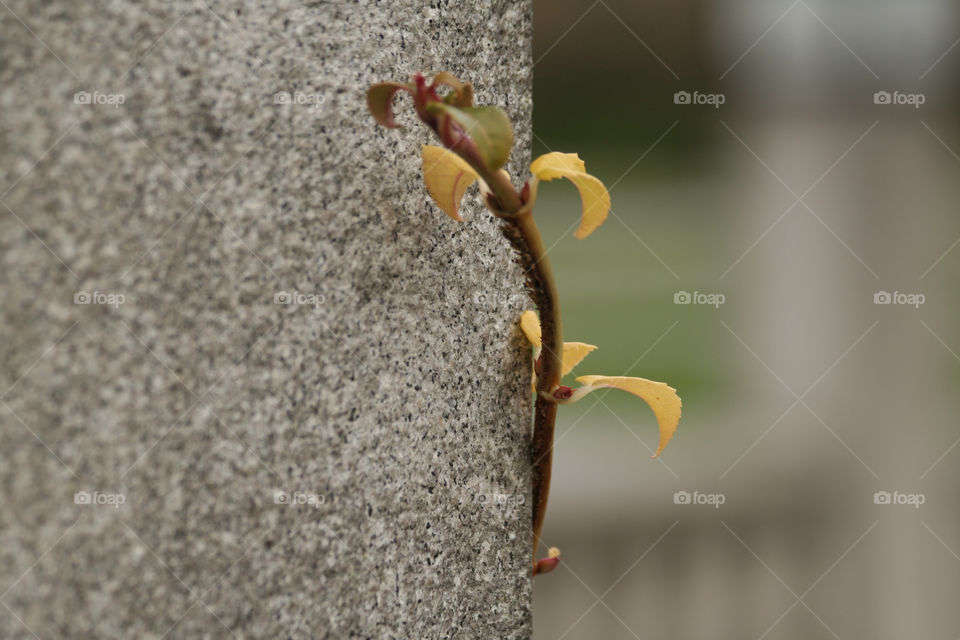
380	102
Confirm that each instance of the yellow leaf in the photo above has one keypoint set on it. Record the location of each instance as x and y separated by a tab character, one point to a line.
447	177
530	324
662	399
596	200
573	354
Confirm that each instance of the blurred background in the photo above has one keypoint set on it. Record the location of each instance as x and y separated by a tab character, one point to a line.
789	169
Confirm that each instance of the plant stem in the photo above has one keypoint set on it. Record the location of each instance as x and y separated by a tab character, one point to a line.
544	289
501	186
522	232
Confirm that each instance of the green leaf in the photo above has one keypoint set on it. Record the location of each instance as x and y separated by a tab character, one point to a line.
380	102
488	127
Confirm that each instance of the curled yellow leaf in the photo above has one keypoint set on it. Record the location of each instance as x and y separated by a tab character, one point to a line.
447	177
594	196
530	324
662	398
573	352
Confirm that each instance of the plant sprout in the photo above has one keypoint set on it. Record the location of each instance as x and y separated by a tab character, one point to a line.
477	141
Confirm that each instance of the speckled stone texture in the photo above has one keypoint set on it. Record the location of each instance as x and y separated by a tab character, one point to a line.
351	464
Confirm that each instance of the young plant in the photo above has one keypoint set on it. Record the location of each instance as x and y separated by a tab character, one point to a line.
476	144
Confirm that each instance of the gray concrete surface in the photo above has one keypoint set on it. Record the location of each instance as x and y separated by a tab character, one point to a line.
181	454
